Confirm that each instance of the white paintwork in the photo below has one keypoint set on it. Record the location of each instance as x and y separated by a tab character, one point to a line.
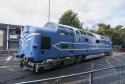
55	46
25	40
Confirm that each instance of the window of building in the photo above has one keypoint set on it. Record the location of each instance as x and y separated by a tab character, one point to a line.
45	42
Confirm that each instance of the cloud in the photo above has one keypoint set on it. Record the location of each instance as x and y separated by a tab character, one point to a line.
23	12
90	12
102	11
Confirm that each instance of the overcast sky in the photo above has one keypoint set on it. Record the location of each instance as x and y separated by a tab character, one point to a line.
35	12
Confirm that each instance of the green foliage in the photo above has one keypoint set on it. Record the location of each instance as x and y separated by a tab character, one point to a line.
117	34
70	18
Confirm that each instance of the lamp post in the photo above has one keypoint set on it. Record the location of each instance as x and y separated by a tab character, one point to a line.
49	12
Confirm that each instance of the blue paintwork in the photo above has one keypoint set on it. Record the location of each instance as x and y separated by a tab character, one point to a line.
77	47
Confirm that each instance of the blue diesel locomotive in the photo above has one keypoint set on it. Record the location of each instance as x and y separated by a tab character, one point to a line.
57	44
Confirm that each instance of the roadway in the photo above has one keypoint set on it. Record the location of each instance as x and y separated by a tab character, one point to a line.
11	73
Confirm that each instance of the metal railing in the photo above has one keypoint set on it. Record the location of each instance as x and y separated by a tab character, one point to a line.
112	75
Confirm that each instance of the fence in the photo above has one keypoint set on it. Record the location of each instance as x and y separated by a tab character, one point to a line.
7	52
112	75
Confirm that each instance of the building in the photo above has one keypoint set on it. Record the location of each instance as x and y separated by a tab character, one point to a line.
9	36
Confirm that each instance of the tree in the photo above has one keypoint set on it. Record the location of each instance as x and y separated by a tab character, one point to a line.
118	26
104	29
116	34
70	18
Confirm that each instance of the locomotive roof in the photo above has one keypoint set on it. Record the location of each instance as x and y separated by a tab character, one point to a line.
55	26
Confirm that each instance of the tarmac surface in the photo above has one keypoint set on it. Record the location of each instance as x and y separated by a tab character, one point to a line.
10	71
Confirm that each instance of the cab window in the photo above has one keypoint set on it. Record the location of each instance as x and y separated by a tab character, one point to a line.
45	42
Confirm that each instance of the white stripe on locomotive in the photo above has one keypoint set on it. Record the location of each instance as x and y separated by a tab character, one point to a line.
25	41
55	46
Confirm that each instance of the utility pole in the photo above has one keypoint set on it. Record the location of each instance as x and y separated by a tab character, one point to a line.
49	12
